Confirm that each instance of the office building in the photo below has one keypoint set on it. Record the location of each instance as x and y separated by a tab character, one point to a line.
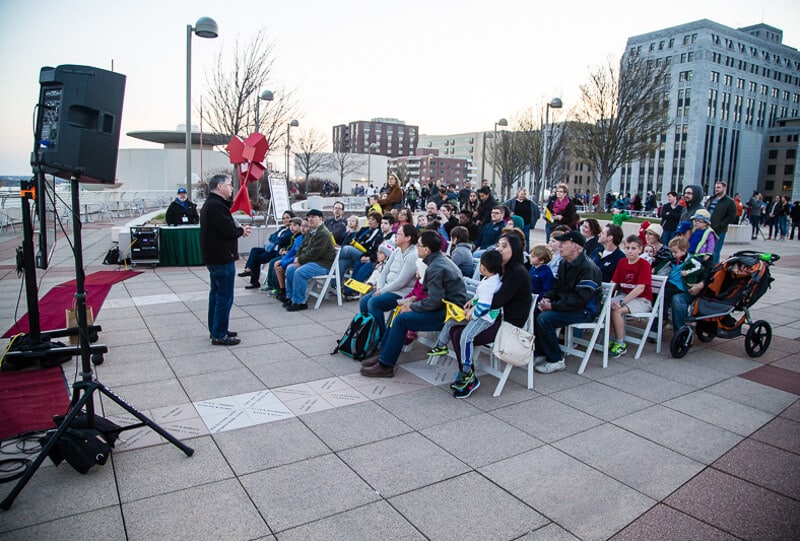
428	167
380	136
471	147
728	88
781	176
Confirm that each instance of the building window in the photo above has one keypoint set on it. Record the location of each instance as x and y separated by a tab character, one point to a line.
769	185
772	154
740	84
787	187
788	169
714	76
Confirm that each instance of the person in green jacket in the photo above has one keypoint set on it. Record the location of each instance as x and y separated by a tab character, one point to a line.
314	257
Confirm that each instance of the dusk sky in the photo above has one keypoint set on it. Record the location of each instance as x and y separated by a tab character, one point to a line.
448	66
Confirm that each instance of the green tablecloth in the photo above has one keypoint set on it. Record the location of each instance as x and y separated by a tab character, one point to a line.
179	246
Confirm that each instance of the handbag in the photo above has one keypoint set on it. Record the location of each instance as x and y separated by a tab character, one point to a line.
513	345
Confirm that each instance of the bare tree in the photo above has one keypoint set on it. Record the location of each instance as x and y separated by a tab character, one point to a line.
344	163
236	82
622	113
311	158
511	159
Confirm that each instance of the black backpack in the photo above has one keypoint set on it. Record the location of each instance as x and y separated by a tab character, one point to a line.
361	338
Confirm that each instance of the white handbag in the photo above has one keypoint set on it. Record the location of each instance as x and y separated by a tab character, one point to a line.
513	345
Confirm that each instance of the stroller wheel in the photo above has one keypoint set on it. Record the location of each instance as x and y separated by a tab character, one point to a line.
758	338
681	342
706	331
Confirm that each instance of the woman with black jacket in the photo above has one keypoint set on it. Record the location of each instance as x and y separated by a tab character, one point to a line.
514	295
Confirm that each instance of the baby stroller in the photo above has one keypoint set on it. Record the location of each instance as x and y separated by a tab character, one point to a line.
735	285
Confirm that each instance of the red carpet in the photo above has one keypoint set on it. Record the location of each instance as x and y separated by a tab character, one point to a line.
53	306
30	398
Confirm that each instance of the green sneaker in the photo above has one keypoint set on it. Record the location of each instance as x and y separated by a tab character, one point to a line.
618	350
438	351
463	380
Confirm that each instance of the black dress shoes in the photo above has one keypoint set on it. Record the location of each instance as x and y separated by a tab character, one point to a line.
227	341
244	274
252	285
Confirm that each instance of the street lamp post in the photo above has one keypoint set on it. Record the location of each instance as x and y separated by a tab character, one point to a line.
486	135
266	96
372	147
555	103
205	27
293	124
501	122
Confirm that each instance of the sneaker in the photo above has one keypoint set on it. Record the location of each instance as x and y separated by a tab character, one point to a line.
227	341
617	350
469	389
297	307
438	350
549	368
463	380
539	360
282	297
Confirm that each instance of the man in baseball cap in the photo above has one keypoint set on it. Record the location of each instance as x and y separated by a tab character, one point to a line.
314	257
575	298
182	211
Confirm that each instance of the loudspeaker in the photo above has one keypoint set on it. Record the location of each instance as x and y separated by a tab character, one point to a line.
78	123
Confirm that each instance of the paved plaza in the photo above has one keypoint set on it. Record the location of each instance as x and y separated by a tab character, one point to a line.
291	443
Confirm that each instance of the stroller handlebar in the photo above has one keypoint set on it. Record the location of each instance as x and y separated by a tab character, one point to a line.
762	256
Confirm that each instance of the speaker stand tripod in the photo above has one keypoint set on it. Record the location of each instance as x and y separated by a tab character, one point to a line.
84	389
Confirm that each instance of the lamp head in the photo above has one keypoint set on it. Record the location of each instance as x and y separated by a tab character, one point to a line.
502	122
294	123
206	27
267	95
555	103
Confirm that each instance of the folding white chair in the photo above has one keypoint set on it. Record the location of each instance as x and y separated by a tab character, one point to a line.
320	286
656	315
495	366
602	323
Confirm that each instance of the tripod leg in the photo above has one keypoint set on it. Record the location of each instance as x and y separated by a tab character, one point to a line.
65	424
146	420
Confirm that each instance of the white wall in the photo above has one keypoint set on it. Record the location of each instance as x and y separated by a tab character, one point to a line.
164	168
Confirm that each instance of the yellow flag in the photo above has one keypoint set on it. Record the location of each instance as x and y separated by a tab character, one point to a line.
548	215
453	311
361	287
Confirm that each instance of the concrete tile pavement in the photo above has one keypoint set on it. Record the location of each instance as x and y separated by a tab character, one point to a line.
655	448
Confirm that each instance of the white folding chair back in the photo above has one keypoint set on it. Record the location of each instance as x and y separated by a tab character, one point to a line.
654	316
602	323
320	286
498	368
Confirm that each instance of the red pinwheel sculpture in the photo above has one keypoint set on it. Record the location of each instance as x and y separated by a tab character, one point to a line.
248	153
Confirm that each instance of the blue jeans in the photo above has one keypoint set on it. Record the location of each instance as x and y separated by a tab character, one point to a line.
680	309
297	280
348	257
666	236
220	298
393	341
783	225
258	256
546	231
272	279
718	247
545	326
377	306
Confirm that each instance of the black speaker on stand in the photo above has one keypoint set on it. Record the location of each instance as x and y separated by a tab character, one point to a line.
77	137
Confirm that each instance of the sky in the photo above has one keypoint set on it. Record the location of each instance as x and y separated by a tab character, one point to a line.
447	66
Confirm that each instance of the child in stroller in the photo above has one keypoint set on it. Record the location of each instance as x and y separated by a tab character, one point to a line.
735	285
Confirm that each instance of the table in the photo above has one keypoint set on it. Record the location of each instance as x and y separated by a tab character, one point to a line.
179	246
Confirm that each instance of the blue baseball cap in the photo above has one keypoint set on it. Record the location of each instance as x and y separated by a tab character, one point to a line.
181	190
683	227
